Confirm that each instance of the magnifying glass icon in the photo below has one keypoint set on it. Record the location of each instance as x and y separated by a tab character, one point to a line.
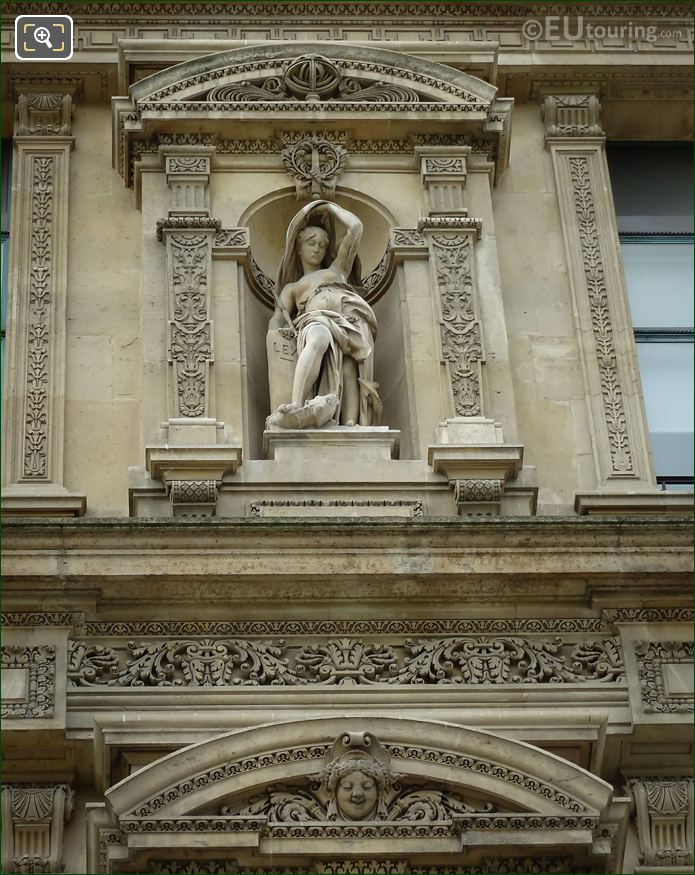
43	35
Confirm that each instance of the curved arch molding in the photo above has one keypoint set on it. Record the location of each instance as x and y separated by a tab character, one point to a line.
442	788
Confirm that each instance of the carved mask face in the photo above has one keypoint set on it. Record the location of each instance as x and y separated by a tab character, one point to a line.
312	247
356	796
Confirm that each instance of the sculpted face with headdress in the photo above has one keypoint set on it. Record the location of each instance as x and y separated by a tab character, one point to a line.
319	303
357	778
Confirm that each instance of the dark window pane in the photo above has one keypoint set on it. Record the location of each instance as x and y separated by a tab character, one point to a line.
652	185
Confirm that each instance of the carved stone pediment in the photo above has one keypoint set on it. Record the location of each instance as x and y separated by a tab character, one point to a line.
303	81
355	788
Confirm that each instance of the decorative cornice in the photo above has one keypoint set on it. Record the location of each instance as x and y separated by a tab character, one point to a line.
40	618
316	10
619	616
312	628
187	223
451	223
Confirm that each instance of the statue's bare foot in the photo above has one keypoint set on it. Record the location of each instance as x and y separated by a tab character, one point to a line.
315	413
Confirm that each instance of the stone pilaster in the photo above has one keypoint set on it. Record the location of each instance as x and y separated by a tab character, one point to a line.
194	456
33	818
470	449
607	350
34	390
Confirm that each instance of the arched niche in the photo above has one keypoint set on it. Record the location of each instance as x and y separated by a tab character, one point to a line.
447	794
267	220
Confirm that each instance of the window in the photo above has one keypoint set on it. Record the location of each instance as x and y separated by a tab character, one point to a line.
652	188
5	189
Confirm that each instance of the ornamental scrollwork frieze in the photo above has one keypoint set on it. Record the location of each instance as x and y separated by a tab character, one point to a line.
345	661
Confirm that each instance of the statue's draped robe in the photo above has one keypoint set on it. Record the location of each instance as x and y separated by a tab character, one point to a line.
352	325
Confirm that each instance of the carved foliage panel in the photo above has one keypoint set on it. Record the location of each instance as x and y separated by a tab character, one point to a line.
612	391
190	326
460	328
42	175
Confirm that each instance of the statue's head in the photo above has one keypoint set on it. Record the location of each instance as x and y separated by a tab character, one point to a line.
356	785
357	778
312	245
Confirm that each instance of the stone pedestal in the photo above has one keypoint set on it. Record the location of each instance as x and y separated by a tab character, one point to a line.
471	454
192	473
342	444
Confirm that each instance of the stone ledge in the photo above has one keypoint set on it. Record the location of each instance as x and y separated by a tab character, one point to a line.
192	462
33	502
630	503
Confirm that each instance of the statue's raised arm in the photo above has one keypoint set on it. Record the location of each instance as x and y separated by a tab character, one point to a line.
317	294
347	250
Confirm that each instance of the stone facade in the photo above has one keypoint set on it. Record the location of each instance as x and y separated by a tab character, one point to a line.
456	641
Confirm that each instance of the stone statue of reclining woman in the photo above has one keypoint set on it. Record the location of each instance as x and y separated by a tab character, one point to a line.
317	299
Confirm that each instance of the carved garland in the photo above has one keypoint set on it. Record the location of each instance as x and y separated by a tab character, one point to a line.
39	663
611	388
36	418
344	661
